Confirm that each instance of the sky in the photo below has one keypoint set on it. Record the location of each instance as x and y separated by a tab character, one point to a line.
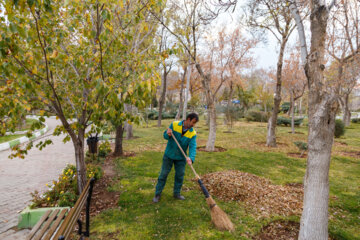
265	53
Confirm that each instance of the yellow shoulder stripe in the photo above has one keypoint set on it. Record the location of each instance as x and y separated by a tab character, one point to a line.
176	127
189	134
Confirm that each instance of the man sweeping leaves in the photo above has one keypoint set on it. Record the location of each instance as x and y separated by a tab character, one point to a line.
186	136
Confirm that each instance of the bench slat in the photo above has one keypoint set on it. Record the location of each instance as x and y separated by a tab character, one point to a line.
55	225
47	224
66	227
38	224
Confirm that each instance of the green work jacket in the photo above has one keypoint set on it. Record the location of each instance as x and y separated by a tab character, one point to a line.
188	140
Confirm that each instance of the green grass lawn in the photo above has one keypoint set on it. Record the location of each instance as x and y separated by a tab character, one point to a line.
10	137
137	218
26	126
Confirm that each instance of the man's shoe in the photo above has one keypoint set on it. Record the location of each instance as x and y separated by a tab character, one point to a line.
179	197
156	199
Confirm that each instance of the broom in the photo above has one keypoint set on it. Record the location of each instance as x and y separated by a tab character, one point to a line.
218	216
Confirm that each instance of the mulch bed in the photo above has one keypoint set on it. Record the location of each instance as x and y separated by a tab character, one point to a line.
278	144
279	230
297	132
352	154
217	149
341	143
101	198
228	132
263	197
297	155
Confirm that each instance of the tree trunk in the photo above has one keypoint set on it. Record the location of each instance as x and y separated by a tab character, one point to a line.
300	107
181	103
210	145
290	107
187	90
80	160
129	131
292	113
128	128
210	101
346	109
271	136
322	107
229	105
162	97
118	141
314	219
22	123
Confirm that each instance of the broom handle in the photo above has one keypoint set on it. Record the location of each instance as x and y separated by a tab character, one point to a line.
192	168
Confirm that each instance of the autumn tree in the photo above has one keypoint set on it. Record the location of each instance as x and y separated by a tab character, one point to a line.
57	56
188	25
166	66
241	58
263	85
50	52
294	81
322	106
343	45
137	57
273	17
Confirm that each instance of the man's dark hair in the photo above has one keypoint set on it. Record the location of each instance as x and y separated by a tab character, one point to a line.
192	116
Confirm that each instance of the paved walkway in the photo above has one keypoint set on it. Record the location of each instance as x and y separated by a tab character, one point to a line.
19	177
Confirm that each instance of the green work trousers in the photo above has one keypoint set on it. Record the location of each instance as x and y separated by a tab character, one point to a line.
165	170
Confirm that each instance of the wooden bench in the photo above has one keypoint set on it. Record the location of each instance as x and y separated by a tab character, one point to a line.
51	226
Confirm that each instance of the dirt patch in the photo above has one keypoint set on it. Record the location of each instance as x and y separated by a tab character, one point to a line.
129	154
134	137
352	154
103	199
297	132
279	144
295	185
217	149
264	198
341	143
228	132
296	155
279	230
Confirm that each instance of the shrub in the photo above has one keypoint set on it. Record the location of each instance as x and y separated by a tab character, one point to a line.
94	171
165	115
257	116
104	149
285	107
90	158
287	121
355	120
339	128
64	192
301	145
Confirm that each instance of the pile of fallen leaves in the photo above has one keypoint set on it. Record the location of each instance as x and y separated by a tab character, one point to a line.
257	193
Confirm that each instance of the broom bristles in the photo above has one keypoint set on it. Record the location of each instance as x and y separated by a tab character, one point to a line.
218	217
